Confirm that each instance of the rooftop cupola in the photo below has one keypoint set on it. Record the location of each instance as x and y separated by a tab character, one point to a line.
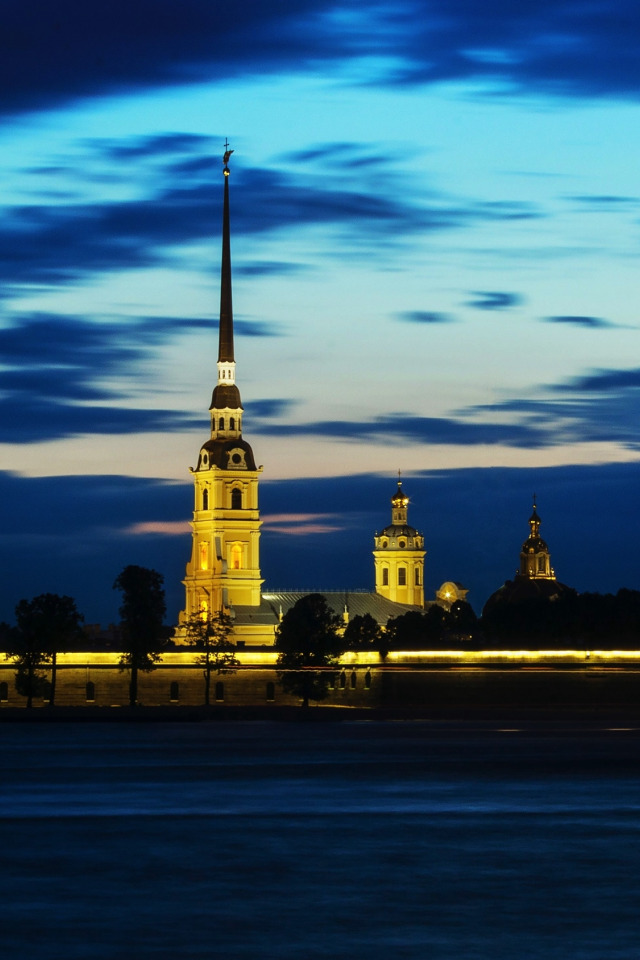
535	561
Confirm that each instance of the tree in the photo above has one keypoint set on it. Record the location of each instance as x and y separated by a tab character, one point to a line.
363	633
309	645
142	613
48	625
210	635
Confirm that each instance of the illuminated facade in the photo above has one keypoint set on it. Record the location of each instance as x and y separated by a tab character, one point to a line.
535	562
224	569
399	556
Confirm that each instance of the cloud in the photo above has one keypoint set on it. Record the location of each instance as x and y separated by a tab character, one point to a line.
52	384
474	522
494	300
255	328
54	54
425	316
404	427
66	241
268	268
593	323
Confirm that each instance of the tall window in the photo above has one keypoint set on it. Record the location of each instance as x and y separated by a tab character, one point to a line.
205	499
417	577
174	691
385	577
90	692
4	691
232	423
402	577
236	556
221	423
219	690
236	499
204	556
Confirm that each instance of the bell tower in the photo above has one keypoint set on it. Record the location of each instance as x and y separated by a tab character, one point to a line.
535	560
224	569
399	556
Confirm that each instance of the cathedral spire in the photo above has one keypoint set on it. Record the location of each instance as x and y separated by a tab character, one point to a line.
226	406
225	349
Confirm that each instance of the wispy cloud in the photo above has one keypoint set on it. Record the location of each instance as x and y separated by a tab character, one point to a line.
494	300
592	323
425	316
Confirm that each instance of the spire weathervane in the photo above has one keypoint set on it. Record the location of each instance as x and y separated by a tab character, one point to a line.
225	159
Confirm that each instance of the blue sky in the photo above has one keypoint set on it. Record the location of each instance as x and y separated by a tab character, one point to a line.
435	213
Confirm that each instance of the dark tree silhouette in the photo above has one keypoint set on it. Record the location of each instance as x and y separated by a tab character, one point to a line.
363	633
309	644
142	613
48	625
210	635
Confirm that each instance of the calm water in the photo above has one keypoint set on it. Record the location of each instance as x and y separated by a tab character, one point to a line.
262	840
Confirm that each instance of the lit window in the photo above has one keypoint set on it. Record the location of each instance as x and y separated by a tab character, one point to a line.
204	556
236	556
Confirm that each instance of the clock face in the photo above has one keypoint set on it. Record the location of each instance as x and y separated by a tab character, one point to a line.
235	459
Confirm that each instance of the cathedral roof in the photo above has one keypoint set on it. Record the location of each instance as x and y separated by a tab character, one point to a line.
357	604
221	453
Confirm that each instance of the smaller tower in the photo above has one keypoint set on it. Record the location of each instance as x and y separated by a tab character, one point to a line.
535	562
399	556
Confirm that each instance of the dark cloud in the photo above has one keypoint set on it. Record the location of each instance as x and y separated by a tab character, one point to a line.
604	381
255	328
404	427
267	268
424	316
54	366
65	242
474	522
594	323
54	53
494	300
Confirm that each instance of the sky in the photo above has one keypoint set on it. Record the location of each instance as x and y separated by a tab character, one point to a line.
435	211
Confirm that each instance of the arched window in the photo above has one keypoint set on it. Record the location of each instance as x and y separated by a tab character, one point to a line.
402	577
205	499
540	564
236	556
343	680
219	690
385	577
232	423
236	499
4	691
367	680
90	692
221	423
204	556
353	680
174	691
271	690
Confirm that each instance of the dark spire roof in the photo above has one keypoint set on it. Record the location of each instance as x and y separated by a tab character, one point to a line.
225	350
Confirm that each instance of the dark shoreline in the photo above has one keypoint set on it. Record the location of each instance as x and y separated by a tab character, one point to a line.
624	720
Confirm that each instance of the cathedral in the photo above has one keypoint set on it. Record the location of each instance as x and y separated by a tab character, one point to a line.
223	574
